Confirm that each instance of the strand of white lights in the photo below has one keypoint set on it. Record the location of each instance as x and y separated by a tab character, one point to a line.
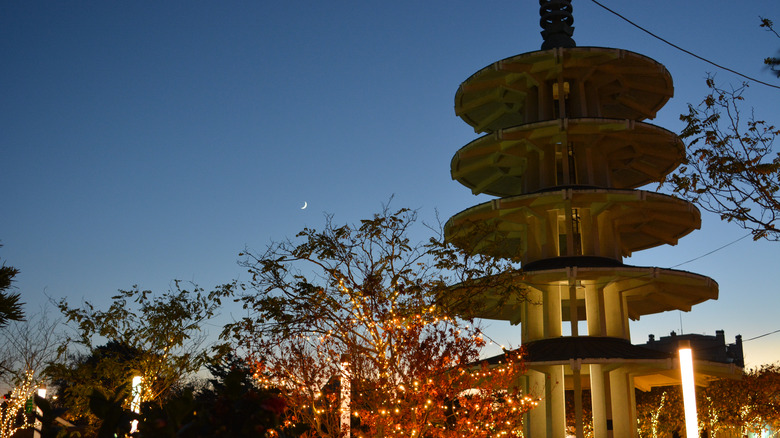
346	395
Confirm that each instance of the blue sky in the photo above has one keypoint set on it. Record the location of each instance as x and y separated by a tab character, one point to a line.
149	141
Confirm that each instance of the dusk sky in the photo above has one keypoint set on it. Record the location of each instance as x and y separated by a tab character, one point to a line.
149	141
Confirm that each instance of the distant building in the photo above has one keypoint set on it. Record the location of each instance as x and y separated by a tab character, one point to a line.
709	348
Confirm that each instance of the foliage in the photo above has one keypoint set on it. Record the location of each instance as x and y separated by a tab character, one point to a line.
232	407
10	306
107	370
157	337
587	413
235	405
736	407
12	414
731	168
772	62
748	405
26	347
359	311
116	419
660	411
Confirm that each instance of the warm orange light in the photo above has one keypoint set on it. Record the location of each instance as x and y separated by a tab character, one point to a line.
689	390
346	395
135	403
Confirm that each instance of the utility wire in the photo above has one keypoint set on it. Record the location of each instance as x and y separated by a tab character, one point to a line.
686	51
761	336
670	267
714	250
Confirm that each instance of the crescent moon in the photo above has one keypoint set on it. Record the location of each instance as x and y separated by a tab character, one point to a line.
305	204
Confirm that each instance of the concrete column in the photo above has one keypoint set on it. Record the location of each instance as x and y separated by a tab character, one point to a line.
614	313
553	315
599	399
533	316
536	419
576	366
623	415
556	391
589	235
594	311
548	418
573	312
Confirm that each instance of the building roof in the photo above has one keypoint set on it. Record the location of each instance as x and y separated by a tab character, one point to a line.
586	348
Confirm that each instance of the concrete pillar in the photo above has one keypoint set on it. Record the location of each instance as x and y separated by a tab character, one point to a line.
594	311
576	366
614	312
553	312
536	419
623	415
533	316
599	399
556	391
548	418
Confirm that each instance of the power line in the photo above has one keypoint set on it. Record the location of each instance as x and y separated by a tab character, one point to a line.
761	336
714	250
686	51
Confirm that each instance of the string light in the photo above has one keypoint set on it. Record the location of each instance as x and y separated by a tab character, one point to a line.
387	346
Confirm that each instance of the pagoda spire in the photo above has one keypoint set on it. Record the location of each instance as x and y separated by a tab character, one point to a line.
556	19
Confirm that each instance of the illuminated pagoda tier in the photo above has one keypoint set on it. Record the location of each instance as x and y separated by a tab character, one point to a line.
565	150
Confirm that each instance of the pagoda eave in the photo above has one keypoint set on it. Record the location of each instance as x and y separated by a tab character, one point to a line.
506	162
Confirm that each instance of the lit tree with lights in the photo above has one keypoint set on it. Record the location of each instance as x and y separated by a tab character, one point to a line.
726	407
26	348
748	405
12	417
357	317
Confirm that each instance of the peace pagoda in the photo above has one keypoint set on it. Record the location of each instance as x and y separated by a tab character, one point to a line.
564	151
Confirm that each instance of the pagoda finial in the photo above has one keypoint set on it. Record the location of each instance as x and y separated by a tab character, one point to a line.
556	20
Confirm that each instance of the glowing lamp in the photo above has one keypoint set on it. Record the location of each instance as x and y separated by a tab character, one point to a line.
689	389
346	395
135	403
39	412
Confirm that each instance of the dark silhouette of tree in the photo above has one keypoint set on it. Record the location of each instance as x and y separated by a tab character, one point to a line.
108	369
232	405
10	306
772	62
157	337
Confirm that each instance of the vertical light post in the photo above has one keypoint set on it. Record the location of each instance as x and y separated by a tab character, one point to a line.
38	413
689	389
346	395
135	403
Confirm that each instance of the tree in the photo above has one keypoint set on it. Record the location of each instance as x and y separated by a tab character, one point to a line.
729	406
26	347
356	316
731	168
10	306
772	62
748	405
106	370
232	405
157	337
660	411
